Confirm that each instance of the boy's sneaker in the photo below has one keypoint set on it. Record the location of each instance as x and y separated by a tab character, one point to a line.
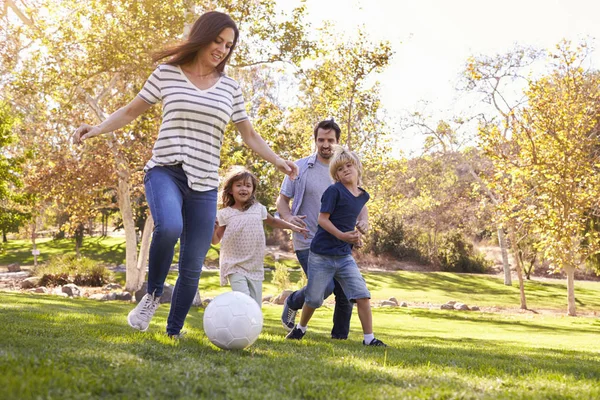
375	342
139	318
296	334
288	316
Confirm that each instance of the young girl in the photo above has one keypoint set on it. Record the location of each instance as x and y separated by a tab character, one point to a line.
239	226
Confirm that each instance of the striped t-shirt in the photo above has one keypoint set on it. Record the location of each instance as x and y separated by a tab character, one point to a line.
193	123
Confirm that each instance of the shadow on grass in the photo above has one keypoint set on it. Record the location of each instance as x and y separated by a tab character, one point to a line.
59	344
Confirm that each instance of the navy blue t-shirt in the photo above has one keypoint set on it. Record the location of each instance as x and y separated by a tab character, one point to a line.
343	208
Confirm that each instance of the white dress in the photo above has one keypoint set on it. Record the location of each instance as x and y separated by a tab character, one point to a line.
243	243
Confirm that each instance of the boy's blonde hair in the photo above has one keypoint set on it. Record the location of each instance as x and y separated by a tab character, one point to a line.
237	173
341	156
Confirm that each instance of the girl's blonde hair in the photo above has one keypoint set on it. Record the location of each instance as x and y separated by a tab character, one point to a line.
233	175
341	156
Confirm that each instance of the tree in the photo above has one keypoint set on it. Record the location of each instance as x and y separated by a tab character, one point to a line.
546	172
84	72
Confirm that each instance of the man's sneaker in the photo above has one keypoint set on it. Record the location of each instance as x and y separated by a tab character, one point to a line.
288	316
296	334
177	336
375	342
139	318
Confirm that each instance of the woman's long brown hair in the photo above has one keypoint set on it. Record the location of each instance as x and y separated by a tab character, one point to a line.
204	31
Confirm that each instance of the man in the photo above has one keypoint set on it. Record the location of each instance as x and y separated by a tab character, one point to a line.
306	192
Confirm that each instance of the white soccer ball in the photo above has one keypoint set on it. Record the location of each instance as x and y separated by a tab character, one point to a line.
233	321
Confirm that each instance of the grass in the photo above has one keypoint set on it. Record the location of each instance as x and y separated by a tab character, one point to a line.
107	250
78	348
51	347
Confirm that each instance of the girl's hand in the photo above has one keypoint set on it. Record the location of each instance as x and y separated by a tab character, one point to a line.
287	167
301	230
84	132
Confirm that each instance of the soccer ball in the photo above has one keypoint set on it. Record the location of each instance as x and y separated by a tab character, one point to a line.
233	321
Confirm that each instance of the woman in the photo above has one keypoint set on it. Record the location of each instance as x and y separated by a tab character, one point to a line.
182	176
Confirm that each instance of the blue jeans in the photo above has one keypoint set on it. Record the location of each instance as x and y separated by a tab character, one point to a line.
179	213
343	308
323	268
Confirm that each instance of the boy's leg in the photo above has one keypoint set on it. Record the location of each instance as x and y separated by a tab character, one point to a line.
199	213
320	272
364	313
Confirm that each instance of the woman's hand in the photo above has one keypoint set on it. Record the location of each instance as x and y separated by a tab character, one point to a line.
84	132
287	167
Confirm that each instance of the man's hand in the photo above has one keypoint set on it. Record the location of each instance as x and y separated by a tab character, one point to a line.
297	220
362	226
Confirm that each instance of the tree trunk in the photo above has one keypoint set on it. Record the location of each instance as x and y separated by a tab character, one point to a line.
78	239
124	199
519	266
572	308
142	260
4	238
504	252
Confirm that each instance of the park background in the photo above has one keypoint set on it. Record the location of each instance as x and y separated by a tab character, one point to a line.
479	142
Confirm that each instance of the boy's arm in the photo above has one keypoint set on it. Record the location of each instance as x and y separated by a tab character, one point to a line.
279	223
362	222
352	237
218	233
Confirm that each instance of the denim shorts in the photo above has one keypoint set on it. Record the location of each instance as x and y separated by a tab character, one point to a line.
322	269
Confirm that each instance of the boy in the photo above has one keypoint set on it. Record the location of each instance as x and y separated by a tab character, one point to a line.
331	248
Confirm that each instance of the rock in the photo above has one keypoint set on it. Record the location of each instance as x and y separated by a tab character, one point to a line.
393	299
112	286
30	282
112	296
206	302
404	304
60	294
451	302
165	298
282	297
461	306
123	296
71	290
98	296
387	303
14	267
267	299
41	289
475	308
447	307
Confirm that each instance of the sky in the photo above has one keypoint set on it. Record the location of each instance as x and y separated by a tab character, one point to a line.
432	39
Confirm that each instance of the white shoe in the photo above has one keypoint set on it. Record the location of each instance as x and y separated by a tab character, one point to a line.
139	318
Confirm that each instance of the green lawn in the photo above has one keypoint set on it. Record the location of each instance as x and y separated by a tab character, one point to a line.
52	347
107	250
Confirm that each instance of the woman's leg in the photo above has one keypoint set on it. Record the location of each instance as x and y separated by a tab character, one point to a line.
199	213
164	196
165	199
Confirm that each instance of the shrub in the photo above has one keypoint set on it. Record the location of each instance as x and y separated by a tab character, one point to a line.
457	255
281	276
64	269
389	236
